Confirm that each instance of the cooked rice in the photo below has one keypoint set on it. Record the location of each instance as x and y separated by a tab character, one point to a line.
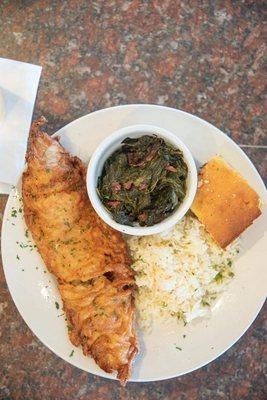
180	273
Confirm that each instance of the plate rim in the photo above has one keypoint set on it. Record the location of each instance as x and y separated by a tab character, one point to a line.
59	132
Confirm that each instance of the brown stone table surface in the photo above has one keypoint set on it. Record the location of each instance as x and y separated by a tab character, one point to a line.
205	57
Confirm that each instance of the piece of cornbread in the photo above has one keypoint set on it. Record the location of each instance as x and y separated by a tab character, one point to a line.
224	203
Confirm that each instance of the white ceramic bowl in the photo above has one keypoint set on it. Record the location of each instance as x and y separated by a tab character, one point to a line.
112	143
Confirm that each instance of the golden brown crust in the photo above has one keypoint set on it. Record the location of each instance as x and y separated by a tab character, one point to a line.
224	202
73	240
79	248
101	315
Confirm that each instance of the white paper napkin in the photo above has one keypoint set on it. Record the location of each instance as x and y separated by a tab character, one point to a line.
18	87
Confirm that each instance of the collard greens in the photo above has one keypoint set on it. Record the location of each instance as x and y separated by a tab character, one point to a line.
144	181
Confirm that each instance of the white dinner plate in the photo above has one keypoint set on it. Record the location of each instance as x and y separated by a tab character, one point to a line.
35	293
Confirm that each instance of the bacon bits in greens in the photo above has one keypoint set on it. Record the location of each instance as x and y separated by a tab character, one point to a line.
144	181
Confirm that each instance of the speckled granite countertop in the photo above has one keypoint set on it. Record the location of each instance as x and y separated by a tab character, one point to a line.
205	57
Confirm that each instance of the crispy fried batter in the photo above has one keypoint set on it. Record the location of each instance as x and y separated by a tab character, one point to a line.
101	315
89	259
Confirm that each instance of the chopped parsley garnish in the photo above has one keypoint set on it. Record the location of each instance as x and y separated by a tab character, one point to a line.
71	354
205	303
67	223
218	277
14	213
57	305
178	348
26	245
17	257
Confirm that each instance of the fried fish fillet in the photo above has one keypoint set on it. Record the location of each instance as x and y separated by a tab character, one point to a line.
89	259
